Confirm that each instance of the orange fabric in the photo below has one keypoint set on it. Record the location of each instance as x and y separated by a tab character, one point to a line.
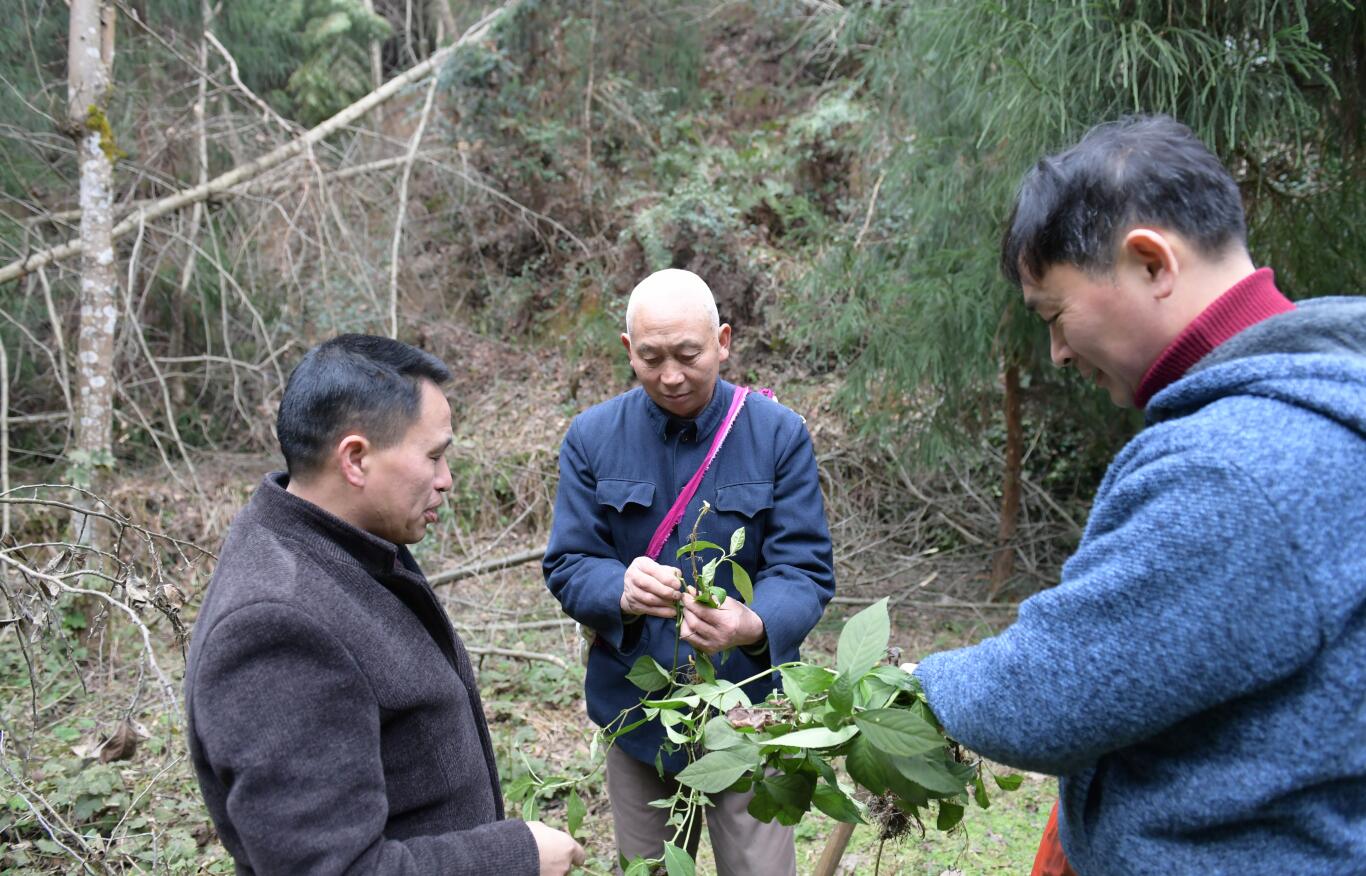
1051	861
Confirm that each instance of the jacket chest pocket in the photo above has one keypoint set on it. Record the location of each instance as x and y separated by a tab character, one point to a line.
628	506
743	505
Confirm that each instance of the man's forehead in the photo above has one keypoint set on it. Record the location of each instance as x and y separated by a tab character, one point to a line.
672	340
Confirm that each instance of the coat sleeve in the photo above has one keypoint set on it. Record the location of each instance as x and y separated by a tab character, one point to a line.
291	728
581	565
796	576
1183	595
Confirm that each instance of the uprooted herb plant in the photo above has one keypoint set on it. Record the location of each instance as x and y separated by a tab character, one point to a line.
870	715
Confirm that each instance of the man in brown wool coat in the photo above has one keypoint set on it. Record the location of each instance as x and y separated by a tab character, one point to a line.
334	721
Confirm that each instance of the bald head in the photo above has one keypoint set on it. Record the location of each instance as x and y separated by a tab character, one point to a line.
672	293
675	340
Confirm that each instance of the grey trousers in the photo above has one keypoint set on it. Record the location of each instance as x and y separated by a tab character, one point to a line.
742	845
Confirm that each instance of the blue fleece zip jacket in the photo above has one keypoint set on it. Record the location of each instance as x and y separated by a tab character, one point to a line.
1198	678
622	465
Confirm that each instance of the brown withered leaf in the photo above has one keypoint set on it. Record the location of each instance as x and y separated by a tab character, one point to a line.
739	716
122	745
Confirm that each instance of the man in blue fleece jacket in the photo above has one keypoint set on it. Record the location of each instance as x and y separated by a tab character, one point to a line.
1198	678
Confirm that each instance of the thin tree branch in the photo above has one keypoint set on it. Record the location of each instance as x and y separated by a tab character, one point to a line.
224	183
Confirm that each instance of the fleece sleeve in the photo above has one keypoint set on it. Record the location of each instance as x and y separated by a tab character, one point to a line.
796	576
1183	595
581	565
292	730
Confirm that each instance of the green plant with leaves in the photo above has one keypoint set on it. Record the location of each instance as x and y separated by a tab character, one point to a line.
868	715
704	580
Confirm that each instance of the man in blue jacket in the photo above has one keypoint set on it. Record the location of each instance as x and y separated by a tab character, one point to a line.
1198	678
622	465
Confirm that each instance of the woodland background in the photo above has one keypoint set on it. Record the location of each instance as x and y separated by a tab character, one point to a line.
192	193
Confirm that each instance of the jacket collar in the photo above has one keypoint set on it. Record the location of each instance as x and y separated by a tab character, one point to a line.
301	519
698	428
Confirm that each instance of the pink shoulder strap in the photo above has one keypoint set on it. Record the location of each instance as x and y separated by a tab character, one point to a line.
671	520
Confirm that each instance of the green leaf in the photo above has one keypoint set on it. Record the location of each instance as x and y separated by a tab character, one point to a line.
718	735
835	803
709	572
716	771
897	731
762	806
677	862
670	720
1008	783
793	795
722	695
688	701
979	793
949	815
801	681
574	812
866	766
741	579
693	547
841	697
530	808
647	675
820	766
896	677
705	670
815	737
863	643
873	693
932	773
737	541
637	867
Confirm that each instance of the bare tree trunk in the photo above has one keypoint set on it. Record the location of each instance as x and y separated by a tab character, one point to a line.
90	60
445	21
1003	563
376	65
201	165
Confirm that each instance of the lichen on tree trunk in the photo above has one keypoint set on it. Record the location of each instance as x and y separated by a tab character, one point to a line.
90	57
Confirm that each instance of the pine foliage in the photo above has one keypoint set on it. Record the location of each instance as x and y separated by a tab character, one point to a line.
968	94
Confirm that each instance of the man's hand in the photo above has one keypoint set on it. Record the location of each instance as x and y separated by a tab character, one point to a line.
650	588
715	629
559	853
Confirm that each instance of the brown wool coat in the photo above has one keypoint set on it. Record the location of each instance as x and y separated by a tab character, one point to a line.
334	721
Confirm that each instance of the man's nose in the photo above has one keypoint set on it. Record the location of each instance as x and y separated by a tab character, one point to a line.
671	376
445	481
1058	350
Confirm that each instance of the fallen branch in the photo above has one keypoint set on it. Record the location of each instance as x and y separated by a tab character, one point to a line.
238	175
494	565
520	655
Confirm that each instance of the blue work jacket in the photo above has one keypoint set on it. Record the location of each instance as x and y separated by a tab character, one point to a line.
622	465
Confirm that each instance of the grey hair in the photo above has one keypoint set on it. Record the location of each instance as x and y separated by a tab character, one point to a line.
673	283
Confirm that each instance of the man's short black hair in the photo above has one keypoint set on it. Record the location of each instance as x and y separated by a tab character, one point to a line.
1072	206
361	383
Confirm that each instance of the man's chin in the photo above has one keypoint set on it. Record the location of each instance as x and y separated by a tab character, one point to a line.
682	406
1120	397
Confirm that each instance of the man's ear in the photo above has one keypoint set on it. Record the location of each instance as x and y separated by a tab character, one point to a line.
626	342
1149	252
352	452
723	340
